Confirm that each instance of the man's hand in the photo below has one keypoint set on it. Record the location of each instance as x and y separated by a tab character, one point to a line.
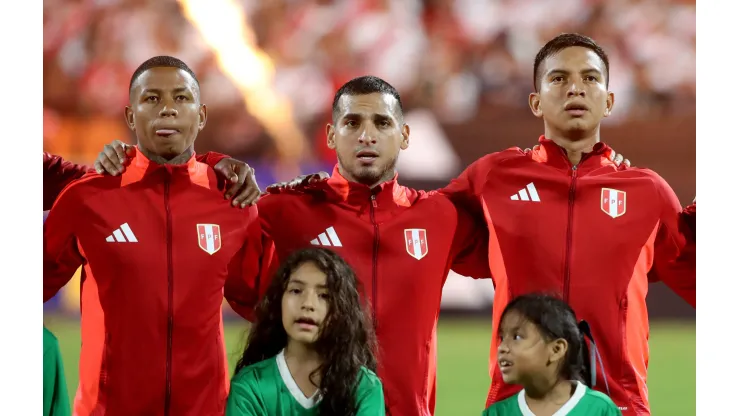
114	158
298	183
618	159
244	188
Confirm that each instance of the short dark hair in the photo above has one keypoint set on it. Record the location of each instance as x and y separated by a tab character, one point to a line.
563	41
161	61
364	85
555	319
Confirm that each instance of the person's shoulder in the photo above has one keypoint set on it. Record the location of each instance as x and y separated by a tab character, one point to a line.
597	400
90	184
50	340
493	159
254	372
504	407
368	378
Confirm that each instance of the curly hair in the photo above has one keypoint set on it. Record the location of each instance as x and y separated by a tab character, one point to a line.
346	341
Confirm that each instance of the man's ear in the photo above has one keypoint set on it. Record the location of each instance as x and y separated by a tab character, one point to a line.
534	104
405	132
128	114
330	137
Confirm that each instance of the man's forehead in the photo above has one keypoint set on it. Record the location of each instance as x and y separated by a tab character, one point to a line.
165	78
374	103
574	58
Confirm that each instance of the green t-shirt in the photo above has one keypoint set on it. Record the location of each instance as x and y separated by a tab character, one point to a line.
584	402
56	400
268	389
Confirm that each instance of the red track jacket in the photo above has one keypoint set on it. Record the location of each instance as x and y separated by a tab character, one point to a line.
402	244
160	249
594	234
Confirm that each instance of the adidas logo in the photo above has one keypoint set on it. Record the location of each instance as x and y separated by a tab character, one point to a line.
328	238
122	235
529	193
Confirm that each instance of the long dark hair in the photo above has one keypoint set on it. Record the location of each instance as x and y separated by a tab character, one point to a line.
555	319
345	342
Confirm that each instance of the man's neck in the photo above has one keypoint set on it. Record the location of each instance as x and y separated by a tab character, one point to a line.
302	360
370	183
547	397
160	160
575	145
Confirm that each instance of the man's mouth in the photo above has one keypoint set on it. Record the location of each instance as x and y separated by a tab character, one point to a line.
166	132
576	109
367	155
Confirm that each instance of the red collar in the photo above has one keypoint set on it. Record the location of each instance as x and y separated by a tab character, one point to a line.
388	194
141	163
550	153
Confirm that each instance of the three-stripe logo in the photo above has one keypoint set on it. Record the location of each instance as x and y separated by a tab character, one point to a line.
123	234
328	238
528	193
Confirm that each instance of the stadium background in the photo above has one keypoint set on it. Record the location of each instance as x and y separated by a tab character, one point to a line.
268	71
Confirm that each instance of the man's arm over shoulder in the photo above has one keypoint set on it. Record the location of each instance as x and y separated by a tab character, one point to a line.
61	255
58	173
470	246
675	254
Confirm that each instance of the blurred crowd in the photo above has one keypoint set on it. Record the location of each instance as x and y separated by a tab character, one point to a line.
451	57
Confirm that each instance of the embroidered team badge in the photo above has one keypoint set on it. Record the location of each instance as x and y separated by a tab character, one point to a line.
209	237
416	242
613	202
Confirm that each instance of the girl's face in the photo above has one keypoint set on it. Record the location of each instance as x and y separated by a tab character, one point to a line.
305	303
523	354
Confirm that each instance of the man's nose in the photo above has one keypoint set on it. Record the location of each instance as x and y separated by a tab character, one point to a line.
367	136
576	89
168	110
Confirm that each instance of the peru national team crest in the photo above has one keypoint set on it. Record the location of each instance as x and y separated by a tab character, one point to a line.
209	237
416	242
613	202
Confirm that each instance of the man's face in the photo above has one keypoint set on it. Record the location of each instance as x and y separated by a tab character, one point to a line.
367	136
165	111
573	96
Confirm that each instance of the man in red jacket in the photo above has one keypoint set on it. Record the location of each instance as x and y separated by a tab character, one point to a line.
563	219
159	252
58	173
401	242
557	217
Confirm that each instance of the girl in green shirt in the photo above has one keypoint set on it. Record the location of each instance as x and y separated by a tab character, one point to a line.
542	348
310	350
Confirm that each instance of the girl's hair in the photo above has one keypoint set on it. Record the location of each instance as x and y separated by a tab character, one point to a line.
345	342
555	319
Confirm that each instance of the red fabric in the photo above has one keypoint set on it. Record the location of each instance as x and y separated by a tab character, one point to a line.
151	309
403	292
58	173
566	244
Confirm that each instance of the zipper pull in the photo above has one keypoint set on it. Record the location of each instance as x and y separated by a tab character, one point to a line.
372	199
573	171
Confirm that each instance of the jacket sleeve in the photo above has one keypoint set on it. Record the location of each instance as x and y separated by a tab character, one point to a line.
61	256
211	158
58	173
241	287
470	247
464	191
675	246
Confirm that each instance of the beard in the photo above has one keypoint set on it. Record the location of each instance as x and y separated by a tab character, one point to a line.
369	175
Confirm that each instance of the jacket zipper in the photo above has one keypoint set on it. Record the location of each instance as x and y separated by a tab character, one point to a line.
376	244
569	234
170	290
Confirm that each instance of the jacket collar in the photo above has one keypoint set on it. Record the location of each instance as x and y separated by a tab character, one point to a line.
550	153
386	195
145	166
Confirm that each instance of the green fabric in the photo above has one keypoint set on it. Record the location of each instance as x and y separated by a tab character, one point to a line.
259	390
592	403
56	400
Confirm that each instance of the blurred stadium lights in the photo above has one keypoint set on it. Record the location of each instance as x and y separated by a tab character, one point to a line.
225	28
